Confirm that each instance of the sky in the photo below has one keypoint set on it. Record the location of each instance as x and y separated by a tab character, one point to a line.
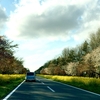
43	28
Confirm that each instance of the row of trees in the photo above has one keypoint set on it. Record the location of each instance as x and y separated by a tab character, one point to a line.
9	64
83	60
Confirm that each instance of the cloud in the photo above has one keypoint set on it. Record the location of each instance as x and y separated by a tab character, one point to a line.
90	21
37	52
38	59
53	19
48	19
3	17
43	28
51	23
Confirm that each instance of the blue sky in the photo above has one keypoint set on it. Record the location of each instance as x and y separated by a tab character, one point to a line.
43	28
9	5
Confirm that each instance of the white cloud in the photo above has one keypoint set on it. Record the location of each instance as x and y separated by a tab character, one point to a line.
38	59
39	23
37	52
3	17
51	19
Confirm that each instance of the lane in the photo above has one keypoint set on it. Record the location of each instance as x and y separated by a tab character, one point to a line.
44	89
67	92
32	91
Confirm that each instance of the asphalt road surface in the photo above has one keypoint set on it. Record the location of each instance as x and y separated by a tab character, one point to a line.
44	89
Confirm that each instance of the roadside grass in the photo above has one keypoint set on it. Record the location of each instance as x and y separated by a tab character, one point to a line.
8	83
90	84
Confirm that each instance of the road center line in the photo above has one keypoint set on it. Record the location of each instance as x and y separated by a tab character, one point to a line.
42	82
50	89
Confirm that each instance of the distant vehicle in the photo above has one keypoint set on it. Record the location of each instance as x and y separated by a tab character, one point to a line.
30	76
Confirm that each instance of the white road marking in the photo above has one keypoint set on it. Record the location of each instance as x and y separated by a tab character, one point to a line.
42	83
13	91
76	88
38	80
50	89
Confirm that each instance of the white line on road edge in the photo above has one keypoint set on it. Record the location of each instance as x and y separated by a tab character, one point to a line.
13	91
50	89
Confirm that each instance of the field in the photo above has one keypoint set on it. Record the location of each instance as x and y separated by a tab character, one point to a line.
91	84
8	83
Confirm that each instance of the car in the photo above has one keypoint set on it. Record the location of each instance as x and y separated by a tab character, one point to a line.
30	76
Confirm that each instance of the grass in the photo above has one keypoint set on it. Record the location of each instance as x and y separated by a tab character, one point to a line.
90	84
8	83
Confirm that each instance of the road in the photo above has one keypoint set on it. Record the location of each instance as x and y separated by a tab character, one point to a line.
44	89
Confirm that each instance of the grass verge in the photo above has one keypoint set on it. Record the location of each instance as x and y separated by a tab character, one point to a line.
8	83
90	84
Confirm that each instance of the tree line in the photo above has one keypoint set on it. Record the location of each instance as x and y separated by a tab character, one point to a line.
9	64
83	60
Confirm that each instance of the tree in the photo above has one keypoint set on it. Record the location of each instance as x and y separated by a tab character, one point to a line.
95	40
85	48
9	64
71	56
65	53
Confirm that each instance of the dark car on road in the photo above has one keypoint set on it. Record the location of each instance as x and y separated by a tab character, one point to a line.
30	76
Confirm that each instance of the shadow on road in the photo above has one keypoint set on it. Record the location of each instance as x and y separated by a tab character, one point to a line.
39	91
